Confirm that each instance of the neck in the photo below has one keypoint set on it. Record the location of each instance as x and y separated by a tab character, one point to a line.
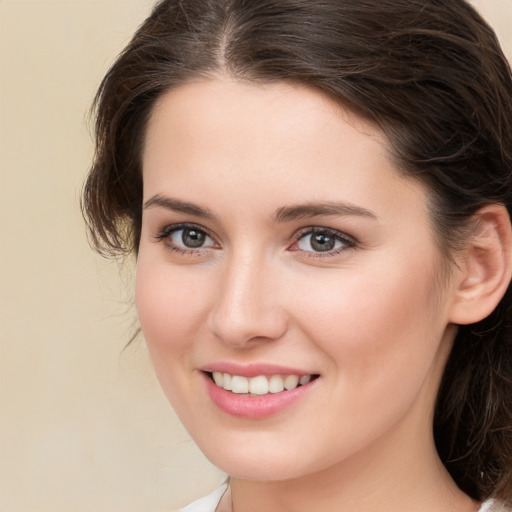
396	473
361	485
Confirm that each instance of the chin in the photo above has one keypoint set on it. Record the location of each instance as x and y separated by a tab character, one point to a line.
262	469
263	459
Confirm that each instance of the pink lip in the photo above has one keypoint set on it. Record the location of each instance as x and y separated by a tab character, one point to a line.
254	407
253	370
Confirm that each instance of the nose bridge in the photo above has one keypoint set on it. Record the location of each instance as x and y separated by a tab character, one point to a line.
247	306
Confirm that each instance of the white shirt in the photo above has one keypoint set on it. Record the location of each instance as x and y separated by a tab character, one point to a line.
210	503
207	503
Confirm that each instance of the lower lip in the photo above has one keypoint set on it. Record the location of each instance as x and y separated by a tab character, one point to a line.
254	407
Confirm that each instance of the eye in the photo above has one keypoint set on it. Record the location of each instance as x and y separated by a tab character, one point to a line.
323	240
186	238
191	238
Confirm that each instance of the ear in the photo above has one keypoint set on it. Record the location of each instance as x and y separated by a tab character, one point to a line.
485	267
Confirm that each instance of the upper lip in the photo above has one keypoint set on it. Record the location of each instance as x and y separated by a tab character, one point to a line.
253	369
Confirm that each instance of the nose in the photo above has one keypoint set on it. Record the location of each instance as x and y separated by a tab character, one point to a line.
247	309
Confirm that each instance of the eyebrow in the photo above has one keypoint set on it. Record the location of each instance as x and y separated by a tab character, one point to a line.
282	215
300	211
176	205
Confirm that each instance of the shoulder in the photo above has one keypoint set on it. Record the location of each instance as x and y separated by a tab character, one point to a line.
494	506
207	503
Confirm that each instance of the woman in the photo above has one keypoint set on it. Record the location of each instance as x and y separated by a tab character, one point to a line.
318	195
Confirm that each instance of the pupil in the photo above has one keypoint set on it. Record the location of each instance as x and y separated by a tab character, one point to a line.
321	242
192	238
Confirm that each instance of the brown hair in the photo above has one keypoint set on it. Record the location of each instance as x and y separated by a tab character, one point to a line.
430	73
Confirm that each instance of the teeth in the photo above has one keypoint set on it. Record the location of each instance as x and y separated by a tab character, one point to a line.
260	385
218	379
226	381
291	382
239	384
304	379
276	384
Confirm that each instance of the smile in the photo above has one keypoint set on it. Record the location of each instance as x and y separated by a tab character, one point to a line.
259	385
257	396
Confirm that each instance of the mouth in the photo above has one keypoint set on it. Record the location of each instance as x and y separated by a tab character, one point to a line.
259	385
257	396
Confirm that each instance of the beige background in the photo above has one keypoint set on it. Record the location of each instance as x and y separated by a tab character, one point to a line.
83	425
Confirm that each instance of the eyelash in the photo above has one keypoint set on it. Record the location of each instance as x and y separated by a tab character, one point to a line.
348	242
166	233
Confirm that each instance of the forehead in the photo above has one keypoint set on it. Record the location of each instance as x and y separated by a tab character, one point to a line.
285	142
203	108
221	96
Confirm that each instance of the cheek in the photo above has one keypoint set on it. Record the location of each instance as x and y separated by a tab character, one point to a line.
169	305
377	326
381	335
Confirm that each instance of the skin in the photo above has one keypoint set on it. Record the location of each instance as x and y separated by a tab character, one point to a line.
370	317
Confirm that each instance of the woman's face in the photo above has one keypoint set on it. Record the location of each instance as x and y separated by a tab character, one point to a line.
279	242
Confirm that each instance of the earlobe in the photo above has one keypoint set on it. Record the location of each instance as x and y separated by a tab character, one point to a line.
485	268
